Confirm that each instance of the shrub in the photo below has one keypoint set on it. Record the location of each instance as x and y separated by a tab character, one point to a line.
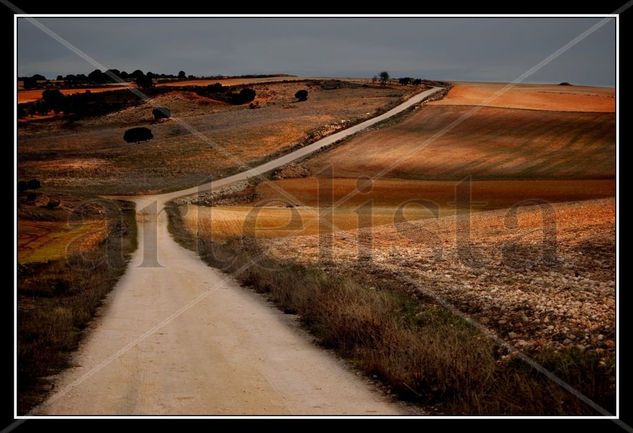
245	95
54	99
302	95
29	83
53	203
405	80
215	88
144	82
136	135
564	83
161	113
417	81
33	184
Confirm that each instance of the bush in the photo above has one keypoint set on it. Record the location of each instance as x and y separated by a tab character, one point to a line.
54	99
144	82
33	184
29	83
161	113
215	88
245	95
53	203
564	83
417	81
405	80
136	135
302	95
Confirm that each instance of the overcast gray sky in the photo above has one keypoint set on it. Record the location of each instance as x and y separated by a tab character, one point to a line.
486	49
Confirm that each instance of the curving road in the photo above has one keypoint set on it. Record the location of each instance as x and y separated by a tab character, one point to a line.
176	337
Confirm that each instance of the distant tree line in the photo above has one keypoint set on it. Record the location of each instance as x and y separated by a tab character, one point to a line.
384	77
98	77
79	105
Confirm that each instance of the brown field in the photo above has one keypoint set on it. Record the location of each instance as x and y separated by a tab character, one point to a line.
269	215
489	143
230	136
35	94
560	150
547	97
44	241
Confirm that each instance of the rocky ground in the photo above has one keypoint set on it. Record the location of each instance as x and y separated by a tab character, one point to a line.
537	285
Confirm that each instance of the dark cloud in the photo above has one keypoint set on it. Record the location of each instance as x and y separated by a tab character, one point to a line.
487	49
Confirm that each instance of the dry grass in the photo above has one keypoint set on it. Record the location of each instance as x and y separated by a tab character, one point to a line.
524	296
175	158
491	143
57	300
313	213
377	306
43	241
547	97
418	349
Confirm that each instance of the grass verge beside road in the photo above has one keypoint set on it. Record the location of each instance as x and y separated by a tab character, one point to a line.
57	300
420	350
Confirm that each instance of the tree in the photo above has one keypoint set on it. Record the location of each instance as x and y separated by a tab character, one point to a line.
112	75
136	135
302	95
150	74
144	82
404	81
39	77
97	76
60	78
417	81
55	100
137	73
29	83
161	113
182	75
384	77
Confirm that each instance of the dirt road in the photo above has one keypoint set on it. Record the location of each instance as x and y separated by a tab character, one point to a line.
176	337
182	338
